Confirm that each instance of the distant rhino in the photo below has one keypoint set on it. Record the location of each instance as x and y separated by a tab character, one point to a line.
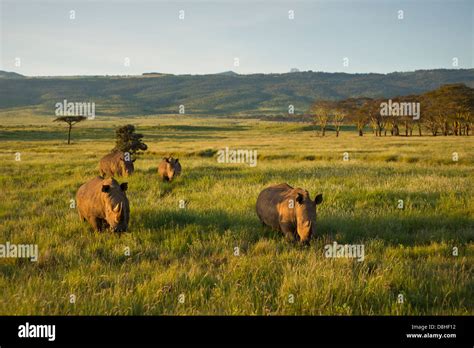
289	210
116	163
104	204
169	168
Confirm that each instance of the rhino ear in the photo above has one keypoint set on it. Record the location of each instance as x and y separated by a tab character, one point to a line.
177	161
124	186
105	188
299	198
318	199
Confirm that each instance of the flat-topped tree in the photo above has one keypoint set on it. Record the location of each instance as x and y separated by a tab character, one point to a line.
70	120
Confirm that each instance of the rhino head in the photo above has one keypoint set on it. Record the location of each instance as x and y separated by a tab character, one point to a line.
305	210
173	167
117	210
126	163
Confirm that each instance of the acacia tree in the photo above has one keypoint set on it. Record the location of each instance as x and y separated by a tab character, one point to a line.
373	124
409	120
443	120
70	120
418	124
394	128
431	123
377	121
338	119
457	123
462	115
322	111
437	117
322	118
371	108
449	108
466	119
352	109
363	115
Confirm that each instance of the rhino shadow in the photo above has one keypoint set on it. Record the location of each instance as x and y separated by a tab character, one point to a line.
215	220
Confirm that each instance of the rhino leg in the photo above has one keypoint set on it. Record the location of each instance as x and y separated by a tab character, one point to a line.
287	230
102	224
81	218
95	223
261	220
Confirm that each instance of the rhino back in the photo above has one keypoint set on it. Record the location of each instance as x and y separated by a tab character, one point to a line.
89	200
271	204
110	163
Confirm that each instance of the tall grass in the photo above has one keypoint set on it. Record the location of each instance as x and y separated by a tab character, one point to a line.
193	251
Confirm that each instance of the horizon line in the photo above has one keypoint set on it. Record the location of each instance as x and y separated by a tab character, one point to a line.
233	73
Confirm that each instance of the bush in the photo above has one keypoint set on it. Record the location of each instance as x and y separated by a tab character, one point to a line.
127	140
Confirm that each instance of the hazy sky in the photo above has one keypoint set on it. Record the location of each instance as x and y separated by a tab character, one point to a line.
214	33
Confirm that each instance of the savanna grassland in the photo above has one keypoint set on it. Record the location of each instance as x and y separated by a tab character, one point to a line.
191	251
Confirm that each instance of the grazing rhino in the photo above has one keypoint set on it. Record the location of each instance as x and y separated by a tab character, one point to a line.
116	163
169	168
104	204
289	210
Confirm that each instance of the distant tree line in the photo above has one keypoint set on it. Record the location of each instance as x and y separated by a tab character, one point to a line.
448	110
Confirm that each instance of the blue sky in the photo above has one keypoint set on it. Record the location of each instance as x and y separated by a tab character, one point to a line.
214	33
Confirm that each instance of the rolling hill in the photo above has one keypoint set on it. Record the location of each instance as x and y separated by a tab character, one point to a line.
226	93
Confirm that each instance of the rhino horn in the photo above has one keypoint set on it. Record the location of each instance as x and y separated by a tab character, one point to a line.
118	208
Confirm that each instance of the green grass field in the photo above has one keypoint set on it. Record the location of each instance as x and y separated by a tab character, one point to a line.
191	251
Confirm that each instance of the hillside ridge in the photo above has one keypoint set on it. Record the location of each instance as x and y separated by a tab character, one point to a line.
225	93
